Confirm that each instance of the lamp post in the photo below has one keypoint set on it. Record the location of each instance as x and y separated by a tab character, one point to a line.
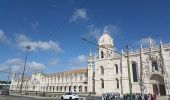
27	47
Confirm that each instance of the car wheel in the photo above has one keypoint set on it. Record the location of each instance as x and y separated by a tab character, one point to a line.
62	98
70	98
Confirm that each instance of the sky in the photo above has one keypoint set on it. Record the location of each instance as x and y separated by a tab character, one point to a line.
54	28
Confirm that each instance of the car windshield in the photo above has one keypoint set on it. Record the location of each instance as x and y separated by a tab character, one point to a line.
67	94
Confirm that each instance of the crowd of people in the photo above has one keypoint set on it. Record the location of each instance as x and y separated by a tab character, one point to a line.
138	96
111	96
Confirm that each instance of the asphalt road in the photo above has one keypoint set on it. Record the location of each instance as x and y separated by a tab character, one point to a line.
22	97
11	97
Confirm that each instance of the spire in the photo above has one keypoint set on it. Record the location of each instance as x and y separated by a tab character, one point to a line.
90	58
122	51
150	42
160	42
141	46
90	53
161	46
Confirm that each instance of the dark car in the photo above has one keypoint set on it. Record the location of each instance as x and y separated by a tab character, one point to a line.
5	92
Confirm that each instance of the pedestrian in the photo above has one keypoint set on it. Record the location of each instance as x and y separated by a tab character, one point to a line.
140	97
149	96
154	97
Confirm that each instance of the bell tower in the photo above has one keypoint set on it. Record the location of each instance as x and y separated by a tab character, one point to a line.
90	73
106	46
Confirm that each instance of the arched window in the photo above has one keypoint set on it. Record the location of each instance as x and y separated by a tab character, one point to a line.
57	88
53	88
85	88
50	88
116	66
69	88
134	70
155	65
61	88
102	69
102	83
65	88
74	88
102	54
80	88
117	82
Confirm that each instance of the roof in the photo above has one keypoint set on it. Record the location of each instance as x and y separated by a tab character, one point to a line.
81	70
75	71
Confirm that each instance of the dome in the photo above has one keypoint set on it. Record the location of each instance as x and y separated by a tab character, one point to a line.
105	39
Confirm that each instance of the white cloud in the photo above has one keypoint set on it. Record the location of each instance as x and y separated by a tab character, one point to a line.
79	14
17	65
54	62
145	41
22	41
81	58
3	37
34	66
79	61
95	32
14	61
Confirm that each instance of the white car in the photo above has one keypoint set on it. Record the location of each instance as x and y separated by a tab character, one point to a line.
70	96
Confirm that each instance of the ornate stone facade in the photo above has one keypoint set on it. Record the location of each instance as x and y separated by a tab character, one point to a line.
107	71
73	80
149	69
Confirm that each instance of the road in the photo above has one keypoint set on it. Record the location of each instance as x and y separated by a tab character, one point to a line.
21	97
12	97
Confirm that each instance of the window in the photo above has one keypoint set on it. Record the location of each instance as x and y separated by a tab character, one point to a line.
134	70
53	88
62	79
102	69
58	79
61	88
65	88
75	77
81	78
66	78
70	78
69	88
57	88
116	68
102	83
117	82
102	54
54	80
74	88
154	65
80	88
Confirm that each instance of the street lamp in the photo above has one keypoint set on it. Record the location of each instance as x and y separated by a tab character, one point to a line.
27	47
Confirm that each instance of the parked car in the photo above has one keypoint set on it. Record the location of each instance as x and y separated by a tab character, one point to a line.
5	92
70	96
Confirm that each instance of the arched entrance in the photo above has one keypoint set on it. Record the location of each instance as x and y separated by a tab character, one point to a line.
158	84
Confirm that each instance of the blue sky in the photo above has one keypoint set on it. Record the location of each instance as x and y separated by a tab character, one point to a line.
54	29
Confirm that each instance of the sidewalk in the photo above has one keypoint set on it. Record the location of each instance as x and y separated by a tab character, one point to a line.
38	97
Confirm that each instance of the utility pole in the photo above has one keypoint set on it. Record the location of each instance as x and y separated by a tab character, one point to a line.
27	47
129	77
